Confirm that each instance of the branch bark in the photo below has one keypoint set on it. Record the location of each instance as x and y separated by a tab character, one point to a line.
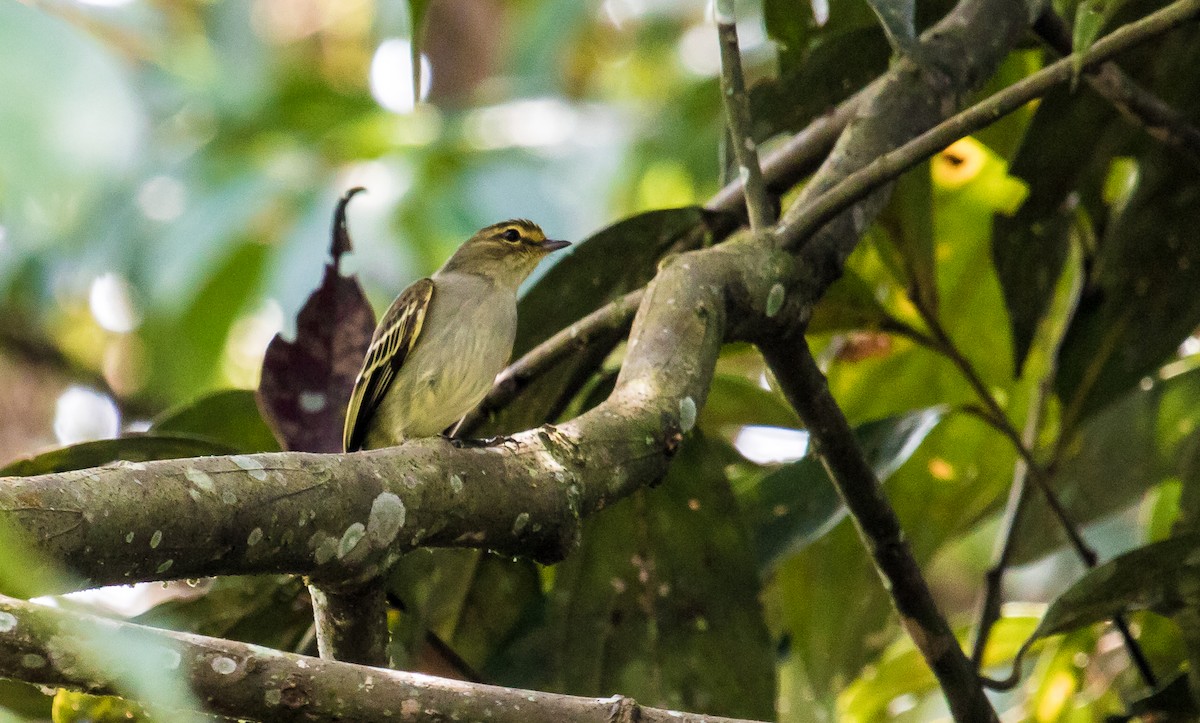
44	646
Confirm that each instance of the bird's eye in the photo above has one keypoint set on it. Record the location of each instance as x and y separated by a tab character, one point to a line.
511	235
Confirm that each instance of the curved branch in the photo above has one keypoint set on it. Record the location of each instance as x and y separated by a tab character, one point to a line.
44	646
341	519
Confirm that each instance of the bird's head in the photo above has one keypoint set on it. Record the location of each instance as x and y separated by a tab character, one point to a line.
506	252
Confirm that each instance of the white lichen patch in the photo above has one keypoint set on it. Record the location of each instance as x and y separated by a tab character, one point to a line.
128	537
8	621
350	539
252	466
156	539
312	402
164	566
520	522
272	696
456	484
386	519
228	497
325	546
775	299
200	479
223	665
687	414
254	537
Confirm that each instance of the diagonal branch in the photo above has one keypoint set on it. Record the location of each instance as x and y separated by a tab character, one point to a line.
822	205
1134	102
834	443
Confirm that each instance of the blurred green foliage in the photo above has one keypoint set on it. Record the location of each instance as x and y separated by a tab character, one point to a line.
167	172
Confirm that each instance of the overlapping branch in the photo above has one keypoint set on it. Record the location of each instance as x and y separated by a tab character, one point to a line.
51	647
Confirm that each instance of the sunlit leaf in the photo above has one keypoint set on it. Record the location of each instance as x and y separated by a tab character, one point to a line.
902	670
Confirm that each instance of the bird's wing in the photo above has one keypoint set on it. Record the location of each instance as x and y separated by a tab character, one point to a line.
394	339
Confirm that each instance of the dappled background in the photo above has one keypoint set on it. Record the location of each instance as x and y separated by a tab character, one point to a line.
169	170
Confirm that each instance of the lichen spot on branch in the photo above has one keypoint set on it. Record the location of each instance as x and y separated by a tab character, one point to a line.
386	519
687	414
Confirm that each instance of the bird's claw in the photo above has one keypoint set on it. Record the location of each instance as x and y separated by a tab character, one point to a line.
459	443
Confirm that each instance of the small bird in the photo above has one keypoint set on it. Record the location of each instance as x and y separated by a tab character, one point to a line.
444	339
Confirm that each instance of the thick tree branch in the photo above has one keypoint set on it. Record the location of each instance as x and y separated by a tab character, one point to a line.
351	623
47	646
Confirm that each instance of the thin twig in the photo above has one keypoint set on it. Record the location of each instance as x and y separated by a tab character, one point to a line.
1133	101
994	415
737	118
834	443
1018	497
609	321
801	222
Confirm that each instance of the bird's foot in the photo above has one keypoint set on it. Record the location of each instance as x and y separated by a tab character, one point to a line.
460	443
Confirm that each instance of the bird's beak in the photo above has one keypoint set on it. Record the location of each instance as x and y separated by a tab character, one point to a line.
549	245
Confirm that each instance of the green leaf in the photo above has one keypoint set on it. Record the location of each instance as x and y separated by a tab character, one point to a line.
1143	301
897	19
813	82
849	304
797	503
74	707
659	602
185	349
902	670
270	610
1145	438
1173	701
416	15
131	448
1089	19
909	218
471	599
1030	247
1163	577
229	417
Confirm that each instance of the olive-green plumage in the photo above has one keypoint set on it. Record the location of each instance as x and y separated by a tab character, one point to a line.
441	343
